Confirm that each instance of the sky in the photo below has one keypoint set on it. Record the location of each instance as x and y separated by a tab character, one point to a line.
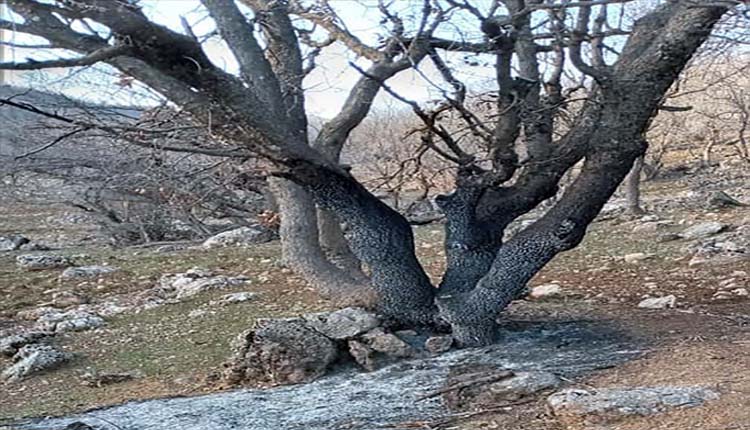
326	87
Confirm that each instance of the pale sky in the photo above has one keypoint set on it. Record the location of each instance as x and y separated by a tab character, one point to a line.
327	86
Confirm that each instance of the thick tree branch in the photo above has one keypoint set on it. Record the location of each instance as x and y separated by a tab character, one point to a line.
97	56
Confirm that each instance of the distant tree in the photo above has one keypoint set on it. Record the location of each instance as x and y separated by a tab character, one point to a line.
545	54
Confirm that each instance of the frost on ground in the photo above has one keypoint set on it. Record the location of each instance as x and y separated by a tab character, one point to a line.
352	399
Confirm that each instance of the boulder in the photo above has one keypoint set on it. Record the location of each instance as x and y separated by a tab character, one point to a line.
12	242
344	323
438	344
243	236
87	272
195	281
280	351
614	404
41	261
378	348
704	229
59	322
386	343
545	291
664	302
35	358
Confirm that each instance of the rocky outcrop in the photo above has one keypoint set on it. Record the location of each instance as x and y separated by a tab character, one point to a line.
294	350
87	272
195	281
611	405
479	387
281	351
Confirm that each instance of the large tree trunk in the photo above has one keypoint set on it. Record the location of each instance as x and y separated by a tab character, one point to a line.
633	188
302	252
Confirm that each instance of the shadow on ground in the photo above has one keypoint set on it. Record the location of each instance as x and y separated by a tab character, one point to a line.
382	399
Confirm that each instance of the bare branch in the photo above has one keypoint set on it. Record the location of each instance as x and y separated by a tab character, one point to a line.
97	56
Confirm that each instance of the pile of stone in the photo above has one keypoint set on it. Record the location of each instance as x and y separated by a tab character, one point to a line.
296	350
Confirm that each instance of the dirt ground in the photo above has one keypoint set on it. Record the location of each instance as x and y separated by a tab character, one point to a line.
702	341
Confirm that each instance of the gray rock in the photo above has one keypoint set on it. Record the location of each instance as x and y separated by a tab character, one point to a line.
704	229
10	345
195	281
87	272
480	387
60	322
12	242
613	404
636	257
720	200
523	384
353	399
664	302
545	291
438	344
41	261
378	348
280	351
33	359
243	236
344	323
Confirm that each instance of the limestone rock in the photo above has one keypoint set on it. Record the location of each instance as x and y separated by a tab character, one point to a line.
73	320
545	291
378	348
614	404
636	257
33	359
41	261
704	229
87	272
243	236
387	343
344	323
281	351
664	302
438	344
195	281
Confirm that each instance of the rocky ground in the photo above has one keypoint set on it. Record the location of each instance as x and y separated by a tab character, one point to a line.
644	326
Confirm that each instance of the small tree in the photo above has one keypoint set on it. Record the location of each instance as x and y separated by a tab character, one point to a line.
535	46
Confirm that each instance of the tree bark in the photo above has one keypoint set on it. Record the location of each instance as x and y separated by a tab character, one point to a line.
633	188
302	252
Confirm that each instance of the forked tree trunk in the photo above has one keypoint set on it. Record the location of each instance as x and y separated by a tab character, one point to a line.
302	251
